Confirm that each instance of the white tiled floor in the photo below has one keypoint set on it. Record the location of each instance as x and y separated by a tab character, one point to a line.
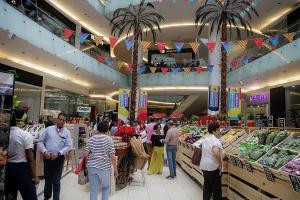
157	187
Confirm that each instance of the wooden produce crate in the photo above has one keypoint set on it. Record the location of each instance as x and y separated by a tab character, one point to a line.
179	154
188	169
187	149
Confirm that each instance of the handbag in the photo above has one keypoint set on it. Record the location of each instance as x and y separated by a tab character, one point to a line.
83	173
196	158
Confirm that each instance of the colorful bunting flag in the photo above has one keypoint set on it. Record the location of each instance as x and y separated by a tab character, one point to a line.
83	37
245	60
145	45
199	69
274	40
113	41
187	70
185	1
234	63
153	69
175	70
109	61
129	43
259	42
179	46
289	36
97	39
164	70
68	33
130	67
227	45
243	43
204	40
210	68
195	46
100	58
141	69
192	2
211	46
161	46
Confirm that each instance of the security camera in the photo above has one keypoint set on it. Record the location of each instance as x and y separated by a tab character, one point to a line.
12	36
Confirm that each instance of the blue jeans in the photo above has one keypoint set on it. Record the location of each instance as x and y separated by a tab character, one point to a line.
171	155
97	177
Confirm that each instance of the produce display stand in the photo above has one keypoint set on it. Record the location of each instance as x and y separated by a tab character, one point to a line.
123	164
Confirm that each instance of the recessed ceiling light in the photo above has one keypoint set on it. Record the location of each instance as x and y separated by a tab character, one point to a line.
293	86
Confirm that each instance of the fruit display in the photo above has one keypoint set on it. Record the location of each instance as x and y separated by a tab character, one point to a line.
182	137
191	134
292	167
291	144
230	135
191	129
191	139
277	159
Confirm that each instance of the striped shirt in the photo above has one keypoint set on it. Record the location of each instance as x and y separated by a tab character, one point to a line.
100	147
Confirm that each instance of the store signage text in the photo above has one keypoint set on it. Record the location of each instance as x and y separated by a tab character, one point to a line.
258	98
83	109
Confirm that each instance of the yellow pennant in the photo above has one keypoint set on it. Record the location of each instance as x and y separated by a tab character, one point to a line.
187	70
243	43
145	45
195	46
97	39
290	36
153	69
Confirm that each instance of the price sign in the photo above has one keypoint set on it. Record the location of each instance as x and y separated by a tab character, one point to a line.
239	163
295	183
248	166
268	174
232	160
270	121
281	123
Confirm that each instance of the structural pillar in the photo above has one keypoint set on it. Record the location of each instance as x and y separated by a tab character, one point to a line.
77	38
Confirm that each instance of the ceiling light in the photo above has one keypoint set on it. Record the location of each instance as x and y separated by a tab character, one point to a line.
174	88
274	18
80	82
102	96
160	102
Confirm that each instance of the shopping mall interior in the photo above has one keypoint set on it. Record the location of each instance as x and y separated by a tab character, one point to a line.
191	62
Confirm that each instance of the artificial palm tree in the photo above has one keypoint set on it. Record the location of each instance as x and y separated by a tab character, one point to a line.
220	14
135	19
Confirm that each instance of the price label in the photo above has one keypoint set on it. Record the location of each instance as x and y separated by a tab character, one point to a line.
270	121
281	123
232	160
239	163
295	183
268	174
248	166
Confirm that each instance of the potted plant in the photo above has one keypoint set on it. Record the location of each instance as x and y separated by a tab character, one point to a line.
250	118
195	119
222	119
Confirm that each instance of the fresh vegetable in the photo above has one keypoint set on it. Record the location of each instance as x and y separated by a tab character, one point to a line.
293	144
281	135
277	159
293	167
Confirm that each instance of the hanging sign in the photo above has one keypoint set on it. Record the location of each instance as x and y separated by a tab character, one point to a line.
295	183
83	109
214	98
142	106
234	103
281	123
268	174
123	108
270	121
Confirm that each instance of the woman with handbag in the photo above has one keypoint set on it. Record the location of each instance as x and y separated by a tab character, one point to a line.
101	157
211	163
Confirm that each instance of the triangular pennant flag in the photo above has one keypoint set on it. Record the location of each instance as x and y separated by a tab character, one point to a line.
210	68
243	43
153	69
145	45
68	33
187	70
113	41
227	45
130	66
129	43
289	36
211	46
274	40
179	46
100	58
141	69
234	63
199	69
161	46
195	46
174	1
204	40
192	2
266	44
245	60
83	37
185	1
98	39
164	70
175	70
109	61
259	42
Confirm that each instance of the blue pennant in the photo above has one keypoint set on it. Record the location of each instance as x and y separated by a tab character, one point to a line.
210	68
175	70
109	61
129	43
274	40
227	45
141	69
245	60
191	2
179	46
83	37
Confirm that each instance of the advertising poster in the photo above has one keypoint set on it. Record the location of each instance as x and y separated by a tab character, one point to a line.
214	98
142	106
124	103
6	101
234	103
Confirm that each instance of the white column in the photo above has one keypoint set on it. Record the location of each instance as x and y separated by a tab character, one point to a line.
42	106
77	38
214	59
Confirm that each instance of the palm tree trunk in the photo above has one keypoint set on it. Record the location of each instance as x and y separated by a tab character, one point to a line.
224	71
134	76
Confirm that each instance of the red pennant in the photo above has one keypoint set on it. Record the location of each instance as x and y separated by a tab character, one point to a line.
211	46
234	63
68	33
164	70
130	67
113	41
100	58
258	42
161	46
199	69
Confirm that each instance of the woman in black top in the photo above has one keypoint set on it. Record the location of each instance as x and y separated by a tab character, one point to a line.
157	159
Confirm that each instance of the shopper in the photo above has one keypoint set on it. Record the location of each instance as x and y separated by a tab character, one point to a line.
211	163
55	144
157	160
149	131
171	141
21	168
49	122
101	158
113	128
